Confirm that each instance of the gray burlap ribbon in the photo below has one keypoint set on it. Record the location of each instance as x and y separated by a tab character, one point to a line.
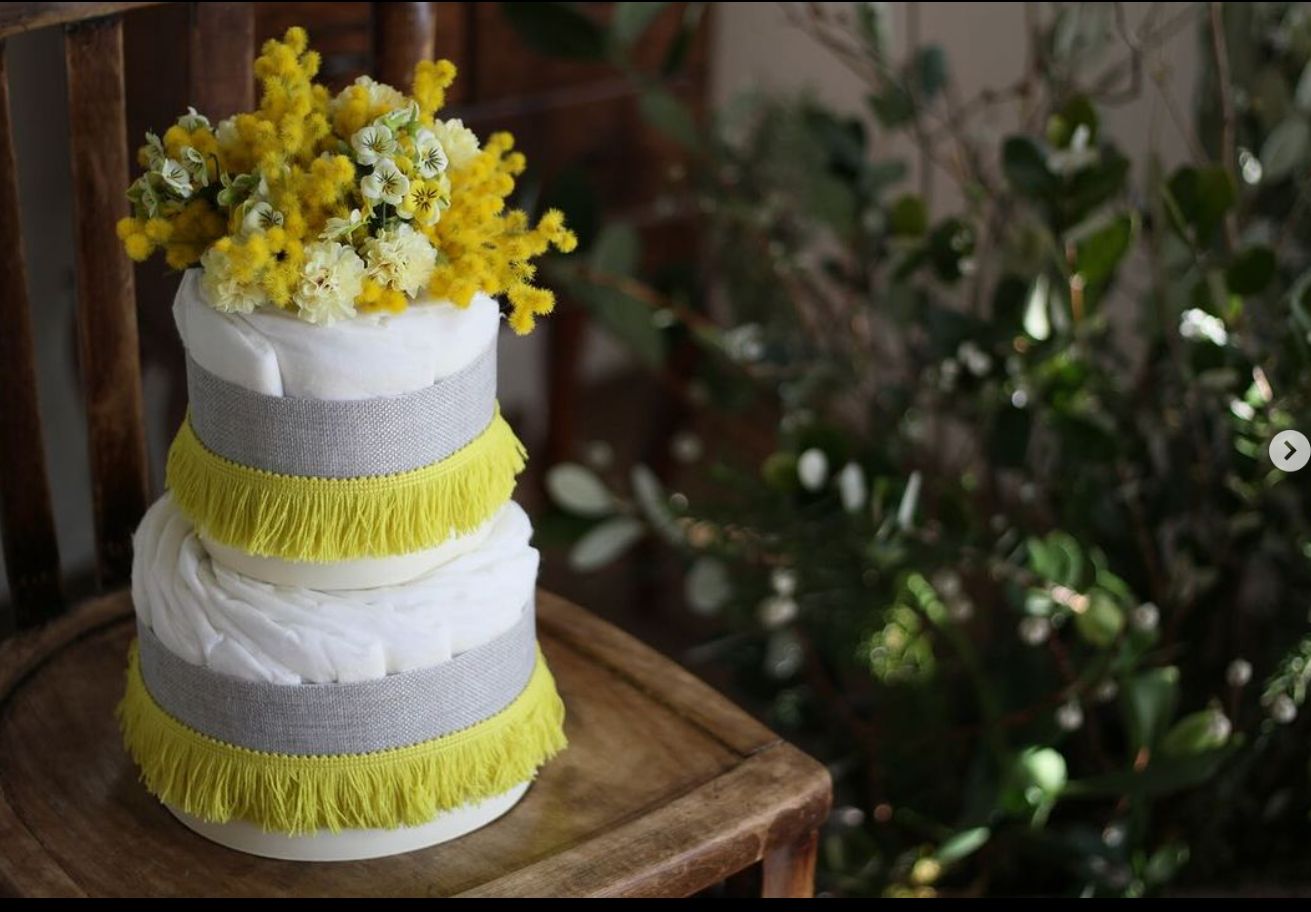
320	438
358	718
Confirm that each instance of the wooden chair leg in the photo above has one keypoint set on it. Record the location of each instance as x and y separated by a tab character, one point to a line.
788	872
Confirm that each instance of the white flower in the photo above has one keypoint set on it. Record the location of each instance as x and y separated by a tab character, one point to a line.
812	469
429	155
260	216
227	134
175	177
194	162
386	183
1077	156
341	227
400	258
460	143
221	291
192	120
373	143
381	96
330	281
1197	325
852	488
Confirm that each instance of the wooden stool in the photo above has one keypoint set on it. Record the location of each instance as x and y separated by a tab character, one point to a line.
666	787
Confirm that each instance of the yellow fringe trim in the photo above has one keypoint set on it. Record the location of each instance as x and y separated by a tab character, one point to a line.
323	520
406	786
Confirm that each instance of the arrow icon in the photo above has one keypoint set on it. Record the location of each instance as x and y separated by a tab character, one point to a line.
1290	450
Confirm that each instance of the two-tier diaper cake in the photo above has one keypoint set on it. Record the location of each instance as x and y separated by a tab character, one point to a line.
336	653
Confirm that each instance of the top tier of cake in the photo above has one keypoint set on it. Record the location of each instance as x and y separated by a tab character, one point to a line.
370	439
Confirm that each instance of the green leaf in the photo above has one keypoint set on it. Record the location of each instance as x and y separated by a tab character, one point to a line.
1161	777
556	30
1077	112
871	21
670	116
1251	271
1101	622
1303	94
605	543
930	71
676	54
579	490
1202	196
949	243
708	586
962	845
1165	863
1149	704
1199	732
1285	148
1025	167
630	20
908	217
628	319
893	106
1098	254
654	504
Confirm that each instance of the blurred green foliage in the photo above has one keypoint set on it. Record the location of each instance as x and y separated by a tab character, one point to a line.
1013	560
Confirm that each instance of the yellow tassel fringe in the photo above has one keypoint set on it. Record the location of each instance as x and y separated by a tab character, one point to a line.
405	786
335	519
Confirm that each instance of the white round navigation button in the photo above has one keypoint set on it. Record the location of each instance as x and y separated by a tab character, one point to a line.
1290	451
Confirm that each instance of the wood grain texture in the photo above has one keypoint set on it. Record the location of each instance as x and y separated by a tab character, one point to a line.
403	34
789	870
107	322
665	788
27	525
16	18
222	48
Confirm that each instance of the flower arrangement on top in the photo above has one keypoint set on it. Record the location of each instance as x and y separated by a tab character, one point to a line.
332	206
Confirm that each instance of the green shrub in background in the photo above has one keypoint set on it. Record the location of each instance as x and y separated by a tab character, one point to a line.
1012	557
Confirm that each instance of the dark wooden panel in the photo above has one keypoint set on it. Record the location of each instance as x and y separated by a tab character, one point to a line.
27	523
222	48
107	322
24	17
403	34
454	42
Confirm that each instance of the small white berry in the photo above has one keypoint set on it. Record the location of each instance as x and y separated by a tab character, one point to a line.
1035	630
812	469
1070	716
1106	691
776	611
1145	617
1113	835
784	580
1283	710
1238	673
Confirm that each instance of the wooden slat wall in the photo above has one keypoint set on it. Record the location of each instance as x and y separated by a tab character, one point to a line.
404	34
107	323
222	48
26	520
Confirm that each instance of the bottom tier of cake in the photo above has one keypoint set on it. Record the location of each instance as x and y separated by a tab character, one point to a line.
353	845
332	724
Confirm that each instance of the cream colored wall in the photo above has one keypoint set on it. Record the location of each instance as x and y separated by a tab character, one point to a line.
756	48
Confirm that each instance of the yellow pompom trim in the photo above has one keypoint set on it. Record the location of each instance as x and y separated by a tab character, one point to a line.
406	786
323	520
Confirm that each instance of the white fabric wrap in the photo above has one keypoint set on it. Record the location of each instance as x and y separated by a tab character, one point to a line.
276	354
209	615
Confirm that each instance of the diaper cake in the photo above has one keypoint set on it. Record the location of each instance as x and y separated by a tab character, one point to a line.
336	654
